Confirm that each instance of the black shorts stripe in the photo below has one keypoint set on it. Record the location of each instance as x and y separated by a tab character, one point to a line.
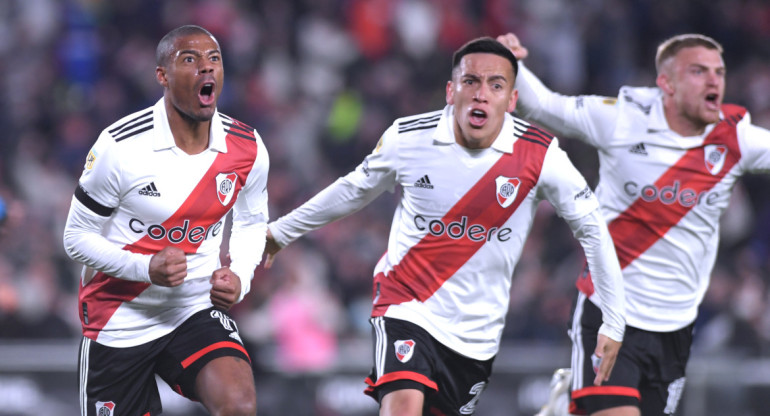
90	203
134	132
430	126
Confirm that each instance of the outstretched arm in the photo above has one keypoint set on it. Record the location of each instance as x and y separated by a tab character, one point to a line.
593	235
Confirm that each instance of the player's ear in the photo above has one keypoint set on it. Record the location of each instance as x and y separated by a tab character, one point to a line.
160	76
513	100
664	83
450	94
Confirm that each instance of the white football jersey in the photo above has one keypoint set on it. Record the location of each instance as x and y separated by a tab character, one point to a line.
661	194
460	226
140	193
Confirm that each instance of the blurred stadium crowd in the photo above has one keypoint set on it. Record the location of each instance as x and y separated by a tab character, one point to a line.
320	80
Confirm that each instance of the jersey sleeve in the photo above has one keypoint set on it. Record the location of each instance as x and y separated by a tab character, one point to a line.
565	188
96	197
250	216
592	233
755	146
348	194
589	118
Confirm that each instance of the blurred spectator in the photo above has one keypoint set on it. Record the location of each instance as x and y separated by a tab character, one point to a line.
319	80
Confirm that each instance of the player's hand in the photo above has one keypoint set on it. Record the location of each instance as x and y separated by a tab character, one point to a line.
225	288
271	248
512	42
606	352
168	267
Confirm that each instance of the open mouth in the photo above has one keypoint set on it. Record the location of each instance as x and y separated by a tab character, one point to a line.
206	94
478	117
712	100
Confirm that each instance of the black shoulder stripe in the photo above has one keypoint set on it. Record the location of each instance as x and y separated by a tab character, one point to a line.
235	122
540	133
423	120
242	127
134	132
140	116
91	204
419	127
240	134
531	140
133	125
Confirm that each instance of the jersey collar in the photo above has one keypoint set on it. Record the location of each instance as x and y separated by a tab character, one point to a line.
444	133
165	140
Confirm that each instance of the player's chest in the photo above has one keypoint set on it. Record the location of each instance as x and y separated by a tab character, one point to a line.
184	185
453	178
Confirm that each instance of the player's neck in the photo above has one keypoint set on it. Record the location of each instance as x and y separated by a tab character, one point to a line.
191	136
680	123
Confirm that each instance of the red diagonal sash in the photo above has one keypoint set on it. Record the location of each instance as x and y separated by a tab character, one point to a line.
644	222
201	208
434	259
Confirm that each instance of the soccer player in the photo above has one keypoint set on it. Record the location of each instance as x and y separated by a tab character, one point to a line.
471	177
669	158
146	221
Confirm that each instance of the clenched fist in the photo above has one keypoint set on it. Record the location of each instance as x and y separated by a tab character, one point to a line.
168	267
225	288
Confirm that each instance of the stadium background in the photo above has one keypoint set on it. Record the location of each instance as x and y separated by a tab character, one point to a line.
321	80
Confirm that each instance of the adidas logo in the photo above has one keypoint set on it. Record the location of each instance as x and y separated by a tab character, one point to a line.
424	182
638	149
149	190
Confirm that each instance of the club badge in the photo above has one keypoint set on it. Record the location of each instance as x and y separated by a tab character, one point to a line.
714	155
507	188
226	187
105	408
404	349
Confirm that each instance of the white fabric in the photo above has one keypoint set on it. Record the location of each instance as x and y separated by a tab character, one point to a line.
419	154
154	188
637	157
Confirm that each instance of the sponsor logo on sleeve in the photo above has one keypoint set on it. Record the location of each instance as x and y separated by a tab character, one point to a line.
90	159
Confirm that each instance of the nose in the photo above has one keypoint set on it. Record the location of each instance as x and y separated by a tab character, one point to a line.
481	92
206	66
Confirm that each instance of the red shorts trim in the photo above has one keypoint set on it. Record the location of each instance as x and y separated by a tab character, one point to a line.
223	344
401	375
606	391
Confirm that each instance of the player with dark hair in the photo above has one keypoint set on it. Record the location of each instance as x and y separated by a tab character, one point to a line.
669	157
471	177
147	221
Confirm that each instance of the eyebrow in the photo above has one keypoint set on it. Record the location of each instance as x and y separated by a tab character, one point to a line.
196	53
494	77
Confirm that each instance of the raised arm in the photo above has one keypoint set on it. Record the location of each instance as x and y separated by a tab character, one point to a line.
587	117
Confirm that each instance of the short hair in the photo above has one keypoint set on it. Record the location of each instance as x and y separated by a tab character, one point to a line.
166	45
671	46
485	45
